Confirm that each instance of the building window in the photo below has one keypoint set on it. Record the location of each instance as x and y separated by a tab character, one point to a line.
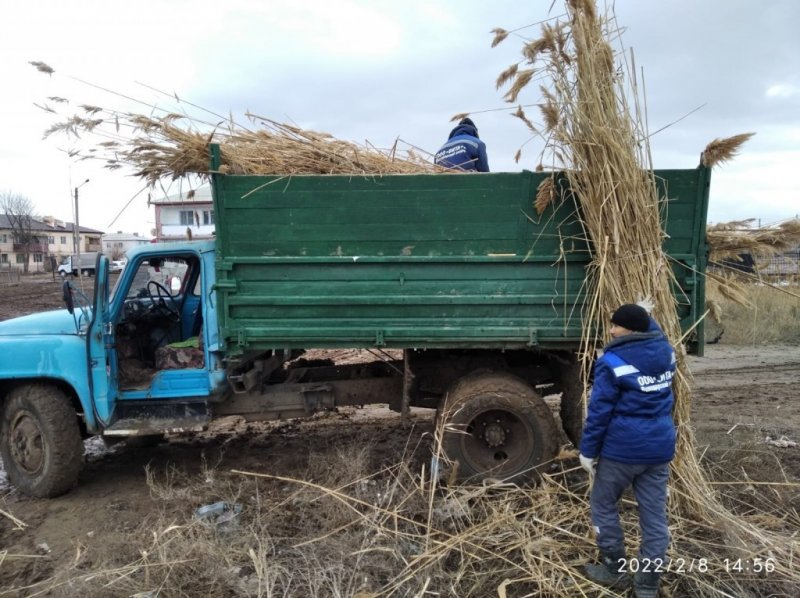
20	258
5	238
51	240
187	217
63	240
38	257
108	245
3	258
208	217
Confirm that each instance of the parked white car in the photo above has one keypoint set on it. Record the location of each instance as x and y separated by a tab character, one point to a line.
117	265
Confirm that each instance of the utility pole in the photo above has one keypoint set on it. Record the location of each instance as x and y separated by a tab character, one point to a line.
77	229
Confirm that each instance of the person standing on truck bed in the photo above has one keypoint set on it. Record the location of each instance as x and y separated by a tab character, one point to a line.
629	440
463	150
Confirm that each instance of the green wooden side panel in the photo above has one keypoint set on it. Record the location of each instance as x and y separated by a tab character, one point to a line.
416	261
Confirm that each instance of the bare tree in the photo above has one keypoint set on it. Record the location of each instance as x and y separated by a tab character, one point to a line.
19	209
117	253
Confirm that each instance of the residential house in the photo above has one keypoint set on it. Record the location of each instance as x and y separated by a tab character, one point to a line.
116	244
185	215
51	239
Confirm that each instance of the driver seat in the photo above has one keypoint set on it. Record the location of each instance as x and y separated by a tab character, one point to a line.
182	355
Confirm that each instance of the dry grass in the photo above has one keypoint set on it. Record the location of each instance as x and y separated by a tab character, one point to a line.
345	528
768	315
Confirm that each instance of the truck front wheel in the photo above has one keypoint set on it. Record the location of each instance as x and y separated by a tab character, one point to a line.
40	441
497	426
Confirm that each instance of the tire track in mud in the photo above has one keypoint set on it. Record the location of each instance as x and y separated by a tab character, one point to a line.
741	377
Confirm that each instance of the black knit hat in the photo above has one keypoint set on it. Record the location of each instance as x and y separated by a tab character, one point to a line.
467	121
632	316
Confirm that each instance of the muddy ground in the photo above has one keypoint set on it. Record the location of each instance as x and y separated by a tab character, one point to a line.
746	416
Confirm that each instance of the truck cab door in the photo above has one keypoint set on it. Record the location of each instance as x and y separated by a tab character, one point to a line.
99	345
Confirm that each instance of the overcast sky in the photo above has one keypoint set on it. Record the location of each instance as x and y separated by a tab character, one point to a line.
378	70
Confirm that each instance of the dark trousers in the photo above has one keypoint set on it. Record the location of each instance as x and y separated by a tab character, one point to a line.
649	484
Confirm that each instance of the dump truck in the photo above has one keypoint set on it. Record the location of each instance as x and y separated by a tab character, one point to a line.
469	300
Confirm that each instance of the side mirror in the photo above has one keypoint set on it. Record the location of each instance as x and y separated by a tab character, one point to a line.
68	300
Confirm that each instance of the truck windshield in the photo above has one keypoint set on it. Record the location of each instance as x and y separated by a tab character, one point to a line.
168	273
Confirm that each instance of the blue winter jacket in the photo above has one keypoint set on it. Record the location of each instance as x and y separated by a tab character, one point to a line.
630	409
463	150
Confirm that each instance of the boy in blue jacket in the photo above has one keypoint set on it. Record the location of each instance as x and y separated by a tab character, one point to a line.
463	150
628	440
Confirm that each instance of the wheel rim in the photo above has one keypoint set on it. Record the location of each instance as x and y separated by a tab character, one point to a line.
499	441
27	443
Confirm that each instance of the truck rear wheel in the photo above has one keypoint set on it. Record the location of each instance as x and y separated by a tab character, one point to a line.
497	426
40	441
572	411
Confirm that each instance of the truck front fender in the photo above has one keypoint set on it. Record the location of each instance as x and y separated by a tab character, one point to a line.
56	359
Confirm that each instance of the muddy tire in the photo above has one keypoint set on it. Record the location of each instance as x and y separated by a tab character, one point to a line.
497	426
572	411
40	441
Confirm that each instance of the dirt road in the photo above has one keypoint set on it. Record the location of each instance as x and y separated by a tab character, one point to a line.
743	395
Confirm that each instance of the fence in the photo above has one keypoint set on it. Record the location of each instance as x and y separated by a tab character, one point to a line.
9	276
782	265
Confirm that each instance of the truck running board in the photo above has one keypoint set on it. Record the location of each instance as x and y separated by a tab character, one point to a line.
144	418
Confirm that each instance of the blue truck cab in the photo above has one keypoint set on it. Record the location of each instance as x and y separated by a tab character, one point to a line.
139	359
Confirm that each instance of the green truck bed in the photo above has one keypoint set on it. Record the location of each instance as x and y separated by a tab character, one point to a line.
419	261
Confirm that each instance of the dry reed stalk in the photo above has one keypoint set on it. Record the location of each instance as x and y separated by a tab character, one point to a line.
727	287
18	523
720	151
521	79
506	75
459	116
545	194
520	114
499	36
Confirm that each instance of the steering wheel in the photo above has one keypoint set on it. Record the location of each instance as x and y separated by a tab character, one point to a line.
159	300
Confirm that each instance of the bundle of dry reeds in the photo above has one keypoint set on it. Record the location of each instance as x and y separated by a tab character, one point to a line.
163	148
594	130
596	135
727	240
